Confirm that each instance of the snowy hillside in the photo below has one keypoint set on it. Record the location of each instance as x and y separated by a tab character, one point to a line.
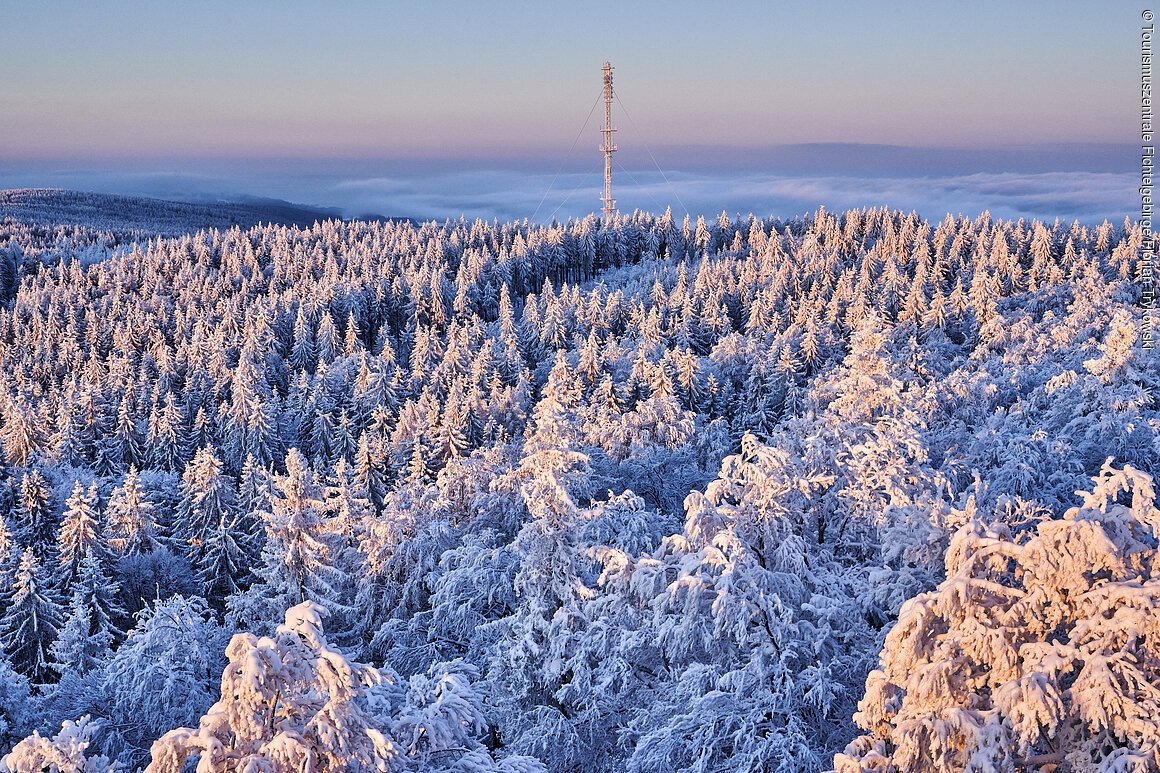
648	495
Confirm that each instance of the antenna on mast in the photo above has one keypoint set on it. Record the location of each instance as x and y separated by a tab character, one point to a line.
607	147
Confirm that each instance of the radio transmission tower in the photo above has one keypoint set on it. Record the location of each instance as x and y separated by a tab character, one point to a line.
608	148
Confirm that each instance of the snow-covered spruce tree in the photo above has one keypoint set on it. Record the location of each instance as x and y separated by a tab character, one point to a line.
79	537
223	565
76	659
298	558
348	505
35	524
457	538
207	496
565	667
95	600
82	647
166	441
21	434
8	555
1038	651
74	652
30	623
130	524
255	487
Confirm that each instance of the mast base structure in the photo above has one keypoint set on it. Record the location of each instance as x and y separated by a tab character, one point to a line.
608	147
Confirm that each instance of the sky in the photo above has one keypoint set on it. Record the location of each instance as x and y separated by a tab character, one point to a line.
347	103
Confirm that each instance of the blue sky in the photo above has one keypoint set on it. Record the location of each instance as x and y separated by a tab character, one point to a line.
367	90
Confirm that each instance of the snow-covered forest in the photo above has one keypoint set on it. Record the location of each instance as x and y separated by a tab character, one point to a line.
852	492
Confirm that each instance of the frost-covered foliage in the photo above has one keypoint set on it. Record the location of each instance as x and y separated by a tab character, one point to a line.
163	676
638	494
293	702
15	711
1040	648
65	752
747	629
290	702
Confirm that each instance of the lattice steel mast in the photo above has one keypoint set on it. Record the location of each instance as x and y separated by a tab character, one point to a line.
608	148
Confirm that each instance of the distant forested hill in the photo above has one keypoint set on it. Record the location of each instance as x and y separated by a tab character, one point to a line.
150	217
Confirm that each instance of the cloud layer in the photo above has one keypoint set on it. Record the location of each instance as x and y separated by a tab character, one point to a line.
511	194
1086	196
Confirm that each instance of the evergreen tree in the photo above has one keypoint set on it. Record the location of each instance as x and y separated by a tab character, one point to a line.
369	473
30	623
131	527
128	435
79	537
327	341
20	435
255	487
16	707
297	561
34	522
7	553
165	441
302	352
206	497
224	562
99	594
75	652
